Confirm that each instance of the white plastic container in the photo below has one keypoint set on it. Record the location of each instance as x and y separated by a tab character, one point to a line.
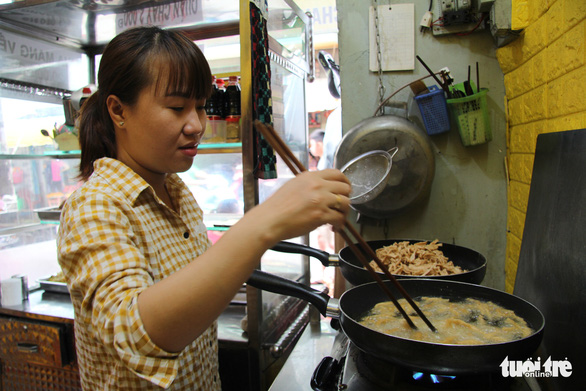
11	291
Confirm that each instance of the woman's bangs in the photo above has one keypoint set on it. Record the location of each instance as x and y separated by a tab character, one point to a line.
181	74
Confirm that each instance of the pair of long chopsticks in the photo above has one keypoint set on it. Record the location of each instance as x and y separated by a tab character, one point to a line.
296	167
444	86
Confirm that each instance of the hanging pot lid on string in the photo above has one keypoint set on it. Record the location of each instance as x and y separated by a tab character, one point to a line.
413	167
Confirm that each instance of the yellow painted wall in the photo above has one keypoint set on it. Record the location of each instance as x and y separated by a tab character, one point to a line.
545	83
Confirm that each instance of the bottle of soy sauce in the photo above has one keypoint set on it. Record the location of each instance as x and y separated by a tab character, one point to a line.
216	124
221	101
232	99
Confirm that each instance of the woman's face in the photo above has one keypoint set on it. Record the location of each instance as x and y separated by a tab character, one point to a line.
161	133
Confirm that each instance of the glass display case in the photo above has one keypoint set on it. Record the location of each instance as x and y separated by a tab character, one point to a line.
51	48
33	179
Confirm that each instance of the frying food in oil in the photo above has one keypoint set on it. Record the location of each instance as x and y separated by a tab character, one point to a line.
467	322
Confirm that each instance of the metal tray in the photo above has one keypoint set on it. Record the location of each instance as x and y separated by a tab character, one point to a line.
49	214
53	286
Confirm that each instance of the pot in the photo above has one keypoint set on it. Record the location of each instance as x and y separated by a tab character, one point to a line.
356	274
428	357
413	165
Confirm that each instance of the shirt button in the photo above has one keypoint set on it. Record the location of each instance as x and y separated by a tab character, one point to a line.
186	235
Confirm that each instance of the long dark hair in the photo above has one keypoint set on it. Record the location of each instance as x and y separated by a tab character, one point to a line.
125	70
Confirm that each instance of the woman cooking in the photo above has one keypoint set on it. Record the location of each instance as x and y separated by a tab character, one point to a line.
132	245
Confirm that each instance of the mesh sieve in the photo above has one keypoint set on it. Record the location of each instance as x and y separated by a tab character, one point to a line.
368	173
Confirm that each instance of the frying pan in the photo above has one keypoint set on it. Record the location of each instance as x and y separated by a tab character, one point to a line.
356	274
442	359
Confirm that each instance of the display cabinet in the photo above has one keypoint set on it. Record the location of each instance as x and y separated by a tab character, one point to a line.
51	48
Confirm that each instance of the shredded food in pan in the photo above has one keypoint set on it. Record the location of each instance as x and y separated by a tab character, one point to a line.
418	259
466	322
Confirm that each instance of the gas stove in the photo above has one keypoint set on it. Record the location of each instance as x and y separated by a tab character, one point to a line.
350	369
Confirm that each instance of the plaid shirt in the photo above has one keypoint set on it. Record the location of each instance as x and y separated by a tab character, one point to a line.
116	238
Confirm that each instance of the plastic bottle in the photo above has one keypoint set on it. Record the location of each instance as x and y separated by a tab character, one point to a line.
232	110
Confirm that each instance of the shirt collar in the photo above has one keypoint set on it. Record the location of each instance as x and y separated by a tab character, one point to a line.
129	183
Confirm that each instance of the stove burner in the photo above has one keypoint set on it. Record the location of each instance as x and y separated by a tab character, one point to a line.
430	378
388	376
365	372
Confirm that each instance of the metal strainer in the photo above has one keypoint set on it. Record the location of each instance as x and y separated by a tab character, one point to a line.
368	173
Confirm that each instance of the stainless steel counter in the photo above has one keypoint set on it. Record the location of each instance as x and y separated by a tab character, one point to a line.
44	306
314	344
57	307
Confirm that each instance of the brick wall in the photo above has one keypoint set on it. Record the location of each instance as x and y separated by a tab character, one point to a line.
545	83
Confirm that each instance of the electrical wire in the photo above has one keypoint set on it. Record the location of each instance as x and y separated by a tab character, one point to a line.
441	20
475	27
379	109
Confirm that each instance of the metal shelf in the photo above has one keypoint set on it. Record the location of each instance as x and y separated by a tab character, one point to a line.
203	148
50	155
220	148
21	228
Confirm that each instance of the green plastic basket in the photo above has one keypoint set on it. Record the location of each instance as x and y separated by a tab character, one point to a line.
471	115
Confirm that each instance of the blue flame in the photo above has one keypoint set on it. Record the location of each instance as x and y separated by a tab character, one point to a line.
435	379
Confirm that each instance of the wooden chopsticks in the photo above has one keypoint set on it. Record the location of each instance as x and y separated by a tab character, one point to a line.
296	167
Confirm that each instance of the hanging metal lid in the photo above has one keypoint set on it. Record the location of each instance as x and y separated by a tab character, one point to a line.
413	168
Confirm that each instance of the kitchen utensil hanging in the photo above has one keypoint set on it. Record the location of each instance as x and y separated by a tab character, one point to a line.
369	174
470	112
434	110
413	166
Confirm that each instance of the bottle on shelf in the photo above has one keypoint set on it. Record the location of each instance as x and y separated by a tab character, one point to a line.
222	96
232	105
216	124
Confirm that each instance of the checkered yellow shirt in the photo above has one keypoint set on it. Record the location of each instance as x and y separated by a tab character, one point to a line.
116	238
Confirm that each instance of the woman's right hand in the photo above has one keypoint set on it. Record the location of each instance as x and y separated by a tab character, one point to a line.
304	203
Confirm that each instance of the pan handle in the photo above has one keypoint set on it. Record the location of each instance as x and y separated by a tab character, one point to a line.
272	283
324	257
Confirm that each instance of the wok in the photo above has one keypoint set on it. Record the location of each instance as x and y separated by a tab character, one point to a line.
416	355
356	274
